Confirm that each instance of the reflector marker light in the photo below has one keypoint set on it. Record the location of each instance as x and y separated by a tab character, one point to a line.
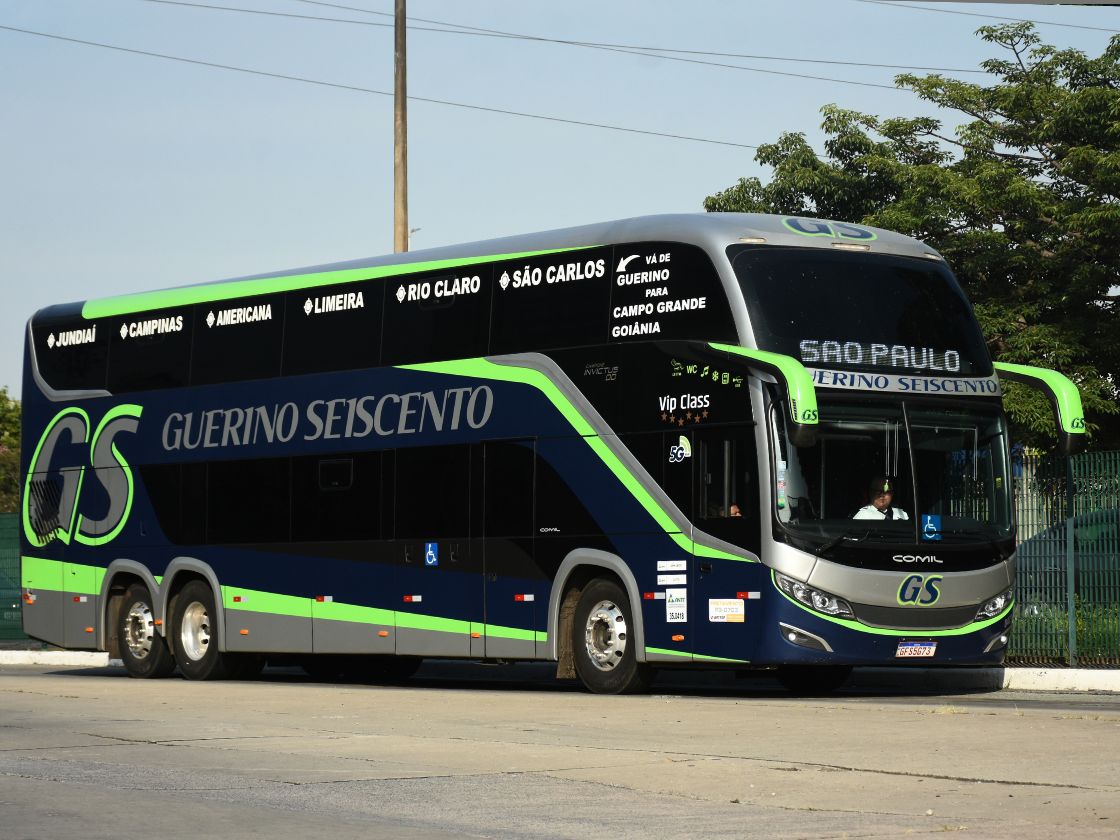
678	638
476	635
382	633
528	596
653	596
29	597
89	629
158	622
753	596
244	632
324	599
413	599
237	599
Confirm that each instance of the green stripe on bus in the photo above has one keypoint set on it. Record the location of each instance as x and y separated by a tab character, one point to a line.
485	369
698	657
214	292
59	576
884	631
799	384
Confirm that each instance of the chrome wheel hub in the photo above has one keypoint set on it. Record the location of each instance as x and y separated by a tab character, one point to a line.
194	633
605	635
139	630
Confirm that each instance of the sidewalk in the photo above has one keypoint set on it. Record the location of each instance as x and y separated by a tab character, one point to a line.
942	679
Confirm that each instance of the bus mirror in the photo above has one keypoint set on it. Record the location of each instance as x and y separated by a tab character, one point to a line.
1064	399
795	382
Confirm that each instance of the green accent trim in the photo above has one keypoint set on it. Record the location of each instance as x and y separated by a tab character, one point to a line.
883	631
57	533
799	384
294	606
125	410
485	369
1062	392
694	656
60	576
214	292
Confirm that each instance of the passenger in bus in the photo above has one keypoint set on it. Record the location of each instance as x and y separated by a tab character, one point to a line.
735	510
881	493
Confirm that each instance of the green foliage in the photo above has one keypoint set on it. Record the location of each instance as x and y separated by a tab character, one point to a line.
1022	199
9	452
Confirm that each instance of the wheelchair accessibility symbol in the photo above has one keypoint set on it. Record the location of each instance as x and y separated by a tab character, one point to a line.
431	554
931	526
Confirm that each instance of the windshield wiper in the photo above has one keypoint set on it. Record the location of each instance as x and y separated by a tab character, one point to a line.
849	535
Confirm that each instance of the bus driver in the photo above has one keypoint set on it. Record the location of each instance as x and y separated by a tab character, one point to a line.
881	494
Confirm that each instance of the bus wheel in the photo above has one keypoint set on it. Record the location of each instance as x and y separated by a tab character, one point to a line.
810	679
602	642
195	634
143	650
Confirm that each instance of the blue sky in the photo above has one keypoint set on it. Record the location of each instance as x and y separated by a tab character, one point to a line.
126	172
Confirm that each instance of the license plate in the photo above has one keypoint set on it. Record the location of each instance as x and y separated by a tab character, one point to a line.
907	650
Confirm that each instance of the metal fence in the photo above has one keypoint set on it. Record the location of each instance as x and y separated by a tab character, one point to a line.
10	625
1068	586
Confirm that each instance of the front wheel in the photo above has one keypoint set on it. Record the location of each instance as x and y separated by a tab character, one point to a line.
603	642
196	636
143	650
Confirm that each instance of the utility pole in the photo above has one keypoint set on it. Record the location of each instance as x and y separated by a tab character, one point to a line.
400	136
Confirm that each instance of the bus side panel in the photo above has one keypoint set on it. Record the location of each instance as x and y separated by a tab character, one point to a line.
44	599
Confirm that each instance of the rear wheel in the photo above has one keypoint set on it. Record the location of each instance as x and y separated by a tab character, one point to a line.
196	636
603	644
143	650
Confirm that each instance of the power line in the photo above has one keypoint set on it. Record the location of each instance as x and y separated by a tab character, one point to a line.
358	89
647	52
895	5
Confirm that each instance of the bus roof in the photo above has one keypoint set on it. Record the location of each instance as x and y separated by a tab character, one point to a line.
713	231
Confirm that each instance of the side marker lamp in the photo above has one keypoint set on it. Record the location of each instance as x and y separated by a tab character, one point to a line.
994	606
815	599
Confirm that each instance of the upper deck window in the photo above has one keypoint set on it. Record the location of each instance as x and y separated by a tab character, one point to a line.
872	312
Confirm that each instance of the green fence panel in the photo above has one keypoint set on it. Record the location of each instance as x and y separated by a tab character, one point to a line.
1068	558
11	625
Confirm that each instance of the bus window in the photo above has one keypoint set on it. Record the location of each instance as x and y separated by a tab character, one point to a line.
436	317
151	351
72	353
509	489
432	490
248	501
332	328
727	501
559	510
238	339
336	498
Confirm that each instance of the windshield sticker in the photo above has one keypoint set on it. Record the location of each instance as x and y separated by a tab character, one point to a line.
931	526
879	355
974	386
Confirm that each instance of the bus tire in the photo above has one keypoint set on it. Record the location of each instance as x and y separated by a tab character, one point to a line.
143	650
813	679
195	635
603	641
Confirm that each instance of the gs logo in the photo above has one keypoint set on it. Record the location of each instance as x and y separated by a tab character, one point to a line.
809	415
52	491
1078	423
919	590
836	230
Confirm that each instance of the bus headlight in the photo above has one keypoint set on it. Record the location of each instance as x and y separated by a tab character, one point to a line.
994	606
814	598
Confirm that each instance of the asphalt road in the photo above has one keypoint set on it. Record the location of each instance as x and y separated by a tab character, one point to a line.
486	751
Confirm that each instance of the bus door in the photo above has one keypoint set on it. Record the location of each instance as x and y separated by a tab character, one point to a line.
726	593
439	588
516	593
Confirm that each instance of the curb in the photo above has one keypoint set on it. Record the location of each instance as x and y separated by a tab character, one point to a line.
991	679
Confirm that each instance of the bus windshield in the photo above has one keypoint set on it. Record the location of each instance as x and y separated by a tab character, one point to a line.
901	473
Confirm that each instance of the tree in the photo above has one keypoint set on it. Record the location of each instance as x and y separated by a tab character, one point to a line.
1023	200
9	452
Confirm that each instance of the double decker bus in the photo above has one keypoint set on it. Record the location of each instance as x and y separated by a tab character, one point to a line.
641	444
